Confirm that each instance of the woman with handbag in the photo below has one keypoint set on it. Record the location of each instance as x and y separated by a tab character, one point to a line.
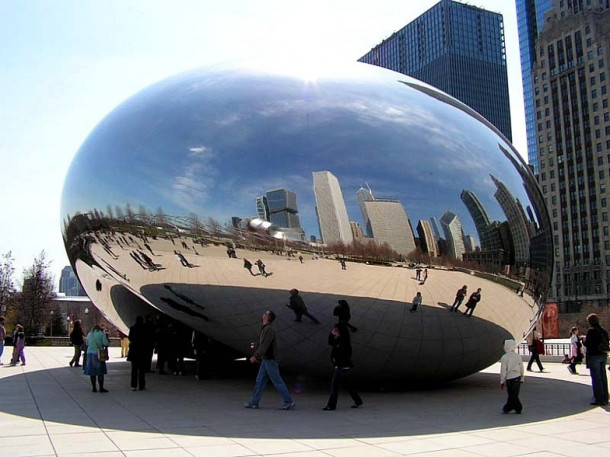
97	354
534	344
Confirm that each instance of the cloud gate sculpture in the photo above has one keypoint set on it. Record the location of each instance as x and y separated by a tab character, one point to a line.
210	195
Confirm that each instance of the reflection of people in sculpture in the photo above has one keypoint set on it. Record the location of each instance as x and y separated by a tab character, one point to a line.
342	262
459	297
471	304
261	267
343	313
298	306
341	357
182	259
248	266
416	302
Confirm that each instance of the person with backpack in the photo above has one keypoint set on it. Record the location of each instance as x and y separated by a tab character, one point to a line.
597	346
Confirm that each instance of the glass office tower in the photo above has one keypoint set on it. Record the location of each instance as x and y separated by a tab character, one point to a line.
571	133
459	49
530	19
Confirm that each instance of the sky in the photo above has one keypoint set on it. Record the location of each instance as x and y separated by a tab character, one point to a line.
65	64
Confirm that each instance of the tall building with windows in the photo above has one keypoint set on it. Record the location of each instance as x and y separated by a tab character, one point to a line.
389	224
330	208
454	234
69	284
569	89
459	49
282	206
530	19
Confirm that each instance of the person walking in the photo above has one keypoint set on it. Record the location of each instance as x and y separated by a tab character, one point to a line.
2	337
266	353
343	313
471	304
94	367
459	298
341	358
77	338
298	306
511	376
18	345
416	302
534	339
596	342
576	347
138	354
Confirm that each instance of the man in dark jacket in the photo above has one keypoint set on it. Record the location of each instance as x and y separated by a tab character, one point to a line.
298	306
341	357
266	354
596	343
138	354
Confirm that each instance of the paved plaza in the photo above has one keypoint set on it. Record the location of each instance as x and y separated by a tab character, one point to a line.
47	409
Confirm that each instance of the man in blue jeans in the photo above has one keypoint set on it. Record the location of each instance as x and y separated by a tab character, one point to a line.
596	343
266	354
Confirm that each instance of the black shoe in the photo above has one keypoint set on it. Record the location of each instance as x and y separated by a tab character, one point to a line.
328	408
71	362
94	389
103	390
597	403
356	405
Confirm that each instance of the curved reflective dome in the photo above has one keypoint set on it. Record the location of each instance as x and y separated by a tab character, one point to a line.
338	184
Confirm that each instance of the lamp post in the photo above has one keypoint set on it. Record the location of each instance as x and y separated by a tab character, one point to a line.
87	318
51	326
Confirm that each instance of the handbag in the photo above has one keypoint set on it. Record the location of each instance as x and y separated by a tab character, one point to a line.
540	347
102	354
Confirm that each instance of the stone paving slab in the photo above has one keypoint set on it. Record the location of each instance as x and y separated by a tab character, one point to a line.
47	409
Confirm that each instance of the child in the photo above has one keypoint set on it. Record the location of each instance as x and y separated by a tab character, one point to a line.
511	375
19	344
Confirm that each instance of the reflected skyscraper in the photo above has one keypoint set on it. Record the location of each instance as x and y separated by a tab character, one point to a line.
452	226
282	206
517	223
426	238
386	221
330	208
457	48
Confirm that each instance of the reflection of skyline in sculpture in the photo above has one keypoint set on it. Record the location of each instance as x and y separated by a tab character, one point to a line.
330	207
453	234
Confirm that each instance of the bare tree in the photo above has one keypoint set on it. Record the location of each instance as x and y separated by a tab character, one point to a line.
7	286
36	299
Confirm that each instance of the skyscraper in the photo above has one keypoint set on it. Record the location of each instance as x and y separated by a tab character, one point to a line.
330	208
282	205
459	49
530	19
454	234
426	238
69	284
571	130
389	224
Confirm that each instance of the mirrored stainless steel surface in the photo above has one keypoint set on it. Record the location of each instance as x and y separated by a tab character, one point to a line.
177	187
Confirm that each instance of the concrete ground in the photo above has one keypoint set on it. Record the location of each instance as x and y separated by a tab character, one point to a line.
47	409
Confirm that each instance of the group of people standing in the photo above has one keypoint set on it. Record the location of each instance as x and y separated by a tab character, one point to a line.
471	304
18	343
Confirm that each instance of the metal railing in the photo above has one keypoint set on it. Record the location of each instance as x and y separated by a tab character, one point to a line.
550	349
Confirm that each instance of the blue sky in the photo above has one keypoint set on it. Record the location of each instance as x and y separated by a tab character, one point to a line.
65	64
